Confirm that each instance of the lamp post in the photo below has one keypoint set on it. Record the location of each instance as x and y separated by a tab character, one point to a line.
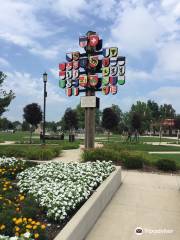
44	112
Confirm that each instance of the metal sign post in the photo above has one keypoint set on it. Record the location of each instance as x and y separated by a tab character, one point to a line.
95	70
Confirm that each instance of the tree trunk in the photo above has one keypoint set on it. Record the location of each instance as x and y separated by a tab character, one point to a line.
30	139
108	135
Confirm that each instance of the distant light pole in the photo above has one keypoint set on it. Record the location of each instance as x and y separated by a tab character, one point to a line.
44	112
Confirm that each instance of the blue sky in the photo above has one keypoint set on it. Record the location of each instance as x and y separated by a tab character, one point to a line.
36	34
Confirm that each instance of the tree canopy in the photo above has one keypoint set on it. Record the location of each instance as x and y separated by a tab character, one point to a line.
5	97
69	120
109	119
32	114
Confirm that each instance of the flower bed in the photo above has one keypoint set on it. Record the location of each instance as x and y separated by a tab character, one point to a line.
61	188
15	208
43	198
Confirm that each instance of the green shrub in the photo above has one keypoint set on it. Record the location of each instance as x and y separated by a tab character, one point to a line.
101	154
133	160
32	152
166	165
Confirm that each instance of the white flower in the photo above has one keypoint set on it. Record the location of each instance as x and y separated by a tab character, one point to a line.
27	234
60	188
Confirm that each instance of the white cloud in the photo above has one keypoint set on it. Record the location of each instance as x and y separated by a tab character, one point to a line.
29	89
4	62
169	57
168	95
136	30
136	76
20	25
69	9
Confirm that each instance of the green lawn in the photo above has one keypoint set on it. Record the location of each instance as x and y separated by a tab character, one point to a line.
141	147
17	136
119	138
23	138
144	149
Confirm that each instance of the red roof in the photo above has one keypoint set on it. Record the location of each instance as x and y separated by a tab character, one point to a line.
168	122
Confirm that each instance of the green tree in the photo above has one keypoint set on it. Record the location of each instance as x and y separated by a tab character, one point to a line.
32	115
51	126
17	125
80	116
154	110
119	114
109	120
5	124
136	121
25	126
142	109
177	122
167	111
5	97
69	120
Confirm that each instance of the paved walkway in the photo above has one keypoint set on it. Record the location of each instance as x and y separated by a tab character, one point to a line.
7	143
150	201
72	155
167	152
163	144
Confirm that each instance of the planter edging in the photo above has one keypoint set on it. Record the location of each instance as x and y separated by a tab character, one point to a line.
82	222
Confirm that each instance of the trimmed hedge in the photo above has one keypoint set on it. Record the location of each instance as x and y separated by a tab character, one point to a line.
133	160
101	154
130	160
166	165
30	152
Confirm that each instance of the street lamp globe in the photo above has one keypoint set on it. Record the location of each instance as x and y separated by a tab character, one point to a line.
45	77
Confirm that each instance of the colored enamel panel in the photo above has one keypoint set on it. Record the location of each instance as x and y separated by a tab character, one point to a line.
62	75
105	81
83	40
93	40
62	83
69	57
93	61
76	65
69	74
69	66
113	61
105	62
121	71
83	80
106	52
76	82
68	84
121	80
113	80
105	90
75	74
113	71
113	51
113	89
93	80
76	56
69	92
105	71
75	91
62	66
83	62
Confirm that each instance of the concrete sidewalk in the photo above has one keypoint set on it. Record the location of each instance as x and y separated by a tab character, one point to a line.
150	201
